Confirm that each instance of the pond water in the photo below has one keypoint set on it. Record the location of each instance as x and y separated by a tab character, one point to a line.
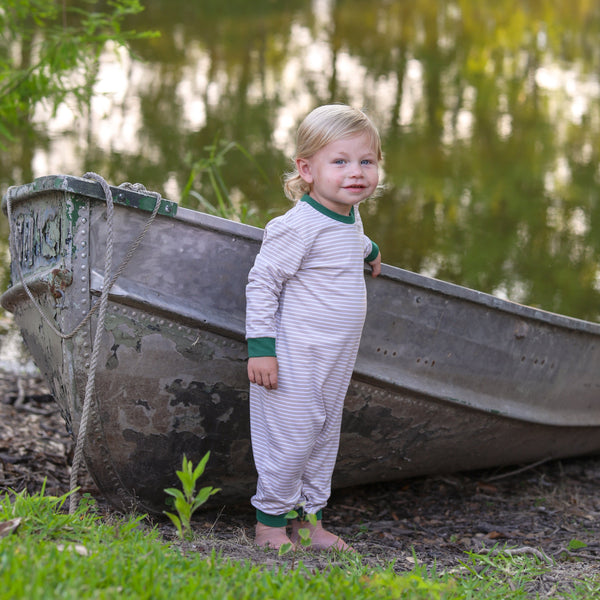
489	114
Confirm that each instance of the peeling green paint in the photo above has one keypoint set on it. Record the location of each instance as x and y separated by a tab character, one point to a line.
73	206
50	237
129	332
126	332
58	182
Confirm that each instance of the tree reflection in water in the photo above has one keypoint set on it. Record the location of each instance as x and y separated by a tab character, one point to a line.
489	113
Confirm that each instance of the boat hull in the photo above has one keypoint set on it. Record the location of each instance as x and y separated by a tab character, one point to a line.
447	378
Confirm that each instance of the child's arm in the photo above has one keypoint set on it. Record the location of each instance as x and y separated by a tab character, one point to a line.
376	265
373	257
281	254
262	370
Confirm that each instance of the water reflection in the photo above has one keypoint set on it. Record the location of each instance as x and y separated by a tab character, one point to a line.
489	113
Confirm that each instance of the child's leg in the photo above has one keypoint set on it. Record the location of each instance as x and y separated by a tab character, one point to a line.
284	428
318	471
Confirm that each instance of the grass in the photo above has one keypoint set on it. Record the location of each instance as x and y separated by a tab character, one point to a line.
52	554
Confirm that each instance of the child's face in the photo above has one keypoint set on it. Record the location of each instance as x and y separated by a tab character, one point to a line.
342	173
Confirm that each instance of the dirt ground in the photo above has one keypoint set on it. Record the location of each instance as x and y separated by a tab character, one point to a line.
551	510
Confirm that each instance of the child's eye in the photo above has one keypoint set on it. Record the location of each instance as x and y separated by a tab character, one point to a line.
339	161
366	161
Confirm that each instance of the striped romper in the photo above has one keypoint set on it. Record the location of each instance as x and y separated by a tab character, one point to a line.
306	304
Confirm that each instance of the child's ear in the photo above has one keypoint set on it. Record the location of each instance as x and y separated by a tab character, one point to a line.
304	170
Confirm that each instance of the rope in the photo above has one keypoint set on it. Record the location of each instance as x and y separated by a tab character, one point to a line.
91	380
101	306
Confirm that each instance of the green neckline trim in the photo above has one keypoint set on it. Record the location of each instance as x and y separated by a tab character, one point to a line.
350	219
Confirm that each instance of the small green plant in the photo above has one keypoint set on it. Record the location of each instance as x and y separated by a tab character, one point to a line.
303	532
188	501
576	545
226	206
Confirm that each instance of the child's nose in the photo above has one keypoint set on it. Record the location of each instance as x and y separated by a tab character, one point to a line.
355	169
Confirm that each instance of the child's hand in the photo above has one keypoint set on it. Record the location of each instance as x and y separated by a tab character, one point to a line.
262	370
376	266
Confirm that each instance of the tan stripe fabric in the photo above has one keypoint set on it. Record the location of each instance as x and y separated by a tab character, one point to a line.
307	291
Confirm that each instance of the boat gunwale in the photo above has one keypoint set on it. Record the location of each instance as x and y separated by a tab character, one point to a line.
226	226
89	188
417	280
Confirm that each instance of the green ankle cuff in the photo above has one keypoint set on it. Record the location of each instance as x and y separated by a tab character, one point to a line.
271	520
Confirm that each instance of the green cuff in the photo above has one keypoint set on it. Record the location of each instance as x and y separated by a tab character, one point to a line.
264	346
374	252
281	520
271	520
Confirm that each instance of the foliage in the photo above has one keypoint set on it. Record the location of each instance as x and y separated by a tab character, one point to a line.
492	575
303	532
52	554
419	583
42	515
576	545
49	52
188	501
212	165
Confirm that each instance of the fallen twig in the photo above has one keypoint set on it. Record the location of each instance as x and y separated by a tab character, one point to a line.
572	554
518	471
20	392
34	410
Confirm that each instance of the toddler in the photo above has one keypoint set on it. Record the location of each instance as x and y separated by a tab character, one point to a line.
306	305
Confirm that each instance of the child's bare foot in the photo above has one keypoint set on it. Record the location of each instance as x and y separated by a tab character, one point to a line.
320	539
270	537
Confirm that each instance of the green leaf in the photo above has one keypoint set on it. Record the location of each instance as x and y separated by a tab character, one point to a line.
62	39
188	501
305	538
312	519
204	494
201	466
183	508
175	493
285	548
176	522
576	545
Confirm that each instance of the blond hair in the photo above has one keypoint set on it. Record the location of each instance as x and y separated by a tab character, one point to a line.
326	124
